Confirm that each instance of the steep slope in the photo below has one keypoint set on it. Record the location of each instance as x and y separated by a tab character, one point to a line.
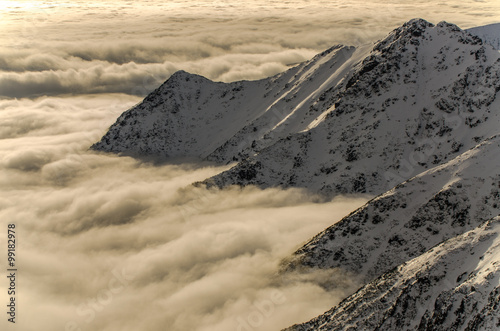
191	116
488	33
299	103
408	220
419	98
454	286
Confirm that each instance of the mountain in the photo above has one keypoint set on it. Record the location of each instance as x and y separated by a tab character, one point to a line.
426	249
412	119
488	33
186	117
190	116
416	215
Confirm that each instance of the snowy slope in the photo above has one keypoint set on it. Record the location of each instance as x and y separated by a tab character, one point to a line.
300	103
454	286
488	33
408	220
418	98
395	243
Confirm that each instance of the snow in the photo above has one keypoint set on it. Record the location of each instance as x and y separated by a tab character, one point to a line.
408	220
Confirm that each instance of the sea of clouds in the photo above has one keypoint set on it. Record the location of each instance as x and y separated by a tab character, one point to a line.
112	243
59	47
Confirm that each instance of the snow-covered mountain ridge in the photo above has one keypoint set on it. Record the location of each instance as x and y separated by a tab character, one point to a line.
488	33
389	242
422	249
408	220
413	119
347	121
416	100
191	116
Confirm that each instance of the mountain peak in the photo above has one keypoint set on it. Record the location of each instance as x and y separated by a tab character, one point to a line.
417	30
416	23
180	74
412	29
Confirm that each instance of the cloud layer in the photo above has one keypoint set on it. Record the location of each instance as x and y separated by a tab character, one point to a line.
110	243
102	47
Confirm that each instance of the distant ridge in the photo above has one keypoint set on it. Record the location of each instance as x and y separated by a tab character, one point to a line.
488	33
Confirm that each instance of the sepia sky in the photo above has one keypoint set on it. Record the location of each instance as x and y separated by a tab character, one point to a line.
109	243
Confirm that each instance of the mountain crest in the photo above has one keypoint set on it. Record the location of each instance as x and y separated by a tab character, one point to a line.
410	30
416	30
350	120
